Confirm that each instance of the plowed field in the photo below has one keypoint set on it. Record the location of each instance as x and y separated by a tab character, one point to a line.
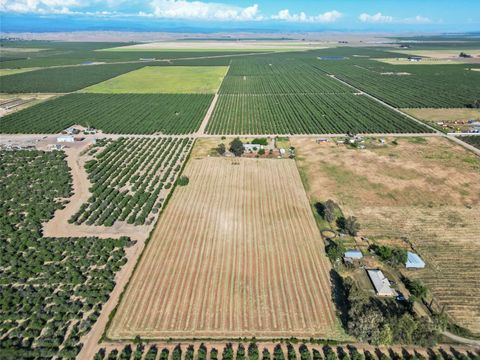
237	253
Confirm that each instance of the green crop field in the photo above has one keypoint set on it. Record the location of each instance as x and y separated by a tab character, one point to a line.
434	86
113	113
277	75
161	79
306	114
62	79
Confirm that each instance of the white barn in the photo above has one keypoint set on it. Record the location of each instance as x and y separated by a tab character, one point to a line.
68	138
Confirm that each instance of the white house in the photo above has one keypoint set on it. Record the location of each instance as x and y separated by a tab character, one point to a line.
414	261
380	283
68	138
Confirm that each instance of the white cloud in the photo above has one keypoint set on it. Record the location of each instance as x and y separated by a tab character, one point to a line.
199	10
417	20
38	6
329	16
377	18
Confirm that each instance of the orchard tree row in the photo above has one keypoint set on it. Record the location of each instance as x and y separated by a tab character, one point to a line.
51	289
130	179
281	351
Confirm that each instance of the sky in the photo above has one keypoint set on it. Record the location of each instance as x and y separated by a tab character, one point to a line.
261	15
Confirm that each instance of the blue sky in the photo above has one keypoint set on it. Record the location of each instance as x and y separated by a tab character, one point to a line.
301	15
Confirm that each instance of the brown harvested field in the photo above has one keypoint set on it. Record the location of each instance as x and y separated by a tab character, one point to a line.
236	253
425	190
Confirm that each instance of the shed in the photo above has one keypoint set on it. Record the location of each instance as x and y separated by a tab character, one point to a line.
414	261
61	139
353	254
380	283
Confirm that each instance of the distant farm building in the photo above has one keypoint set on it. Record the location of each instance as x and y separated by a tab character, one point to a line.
380	283
55	147
252	147
414	261
352	256
70	130
414	58
68	139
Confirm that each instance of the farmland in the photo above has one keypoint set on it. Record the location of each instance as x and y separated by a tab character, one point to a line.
277	75
113	113
472	140
306	114
435	86
241	256
130	179
164	79
51	289
424	190
63	79
58	53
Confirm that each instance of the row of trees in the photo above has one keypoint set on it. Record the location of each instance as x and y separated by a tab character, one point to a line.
285	352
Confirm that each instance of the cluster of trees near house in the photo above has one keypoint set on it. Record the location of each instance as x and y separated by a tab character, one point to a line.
282	351
387	321
51	289
368	318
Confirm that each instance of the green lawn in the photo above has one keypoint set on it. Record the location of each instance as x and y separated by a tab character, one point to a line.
164	79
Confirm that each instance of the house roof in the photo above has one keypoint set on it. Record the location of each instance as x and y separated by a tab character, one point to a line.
380	282
414	261
354	254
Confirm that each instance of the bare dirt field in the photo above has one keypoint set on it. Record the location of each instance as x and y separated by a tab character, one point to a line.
236	253
35	99
426	190
453	119
440	54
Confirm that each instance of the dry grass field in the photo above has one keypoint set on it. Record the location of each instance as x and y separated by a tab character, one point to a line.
237	253
424	190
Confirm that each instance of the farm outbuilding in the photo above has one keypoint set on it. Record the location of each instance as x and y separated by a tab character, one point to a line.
414	261
61	139
380	283
353	254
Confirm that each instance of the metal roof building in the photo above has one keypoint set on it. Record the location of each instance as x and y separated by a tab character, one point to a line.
414	261
353	254
380	283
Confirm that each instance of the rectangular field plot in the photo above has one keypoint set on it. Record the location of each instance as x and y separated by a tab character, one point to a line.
164	79
434	86
277	75
306	114
113	113
129	176
236	253
62	79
